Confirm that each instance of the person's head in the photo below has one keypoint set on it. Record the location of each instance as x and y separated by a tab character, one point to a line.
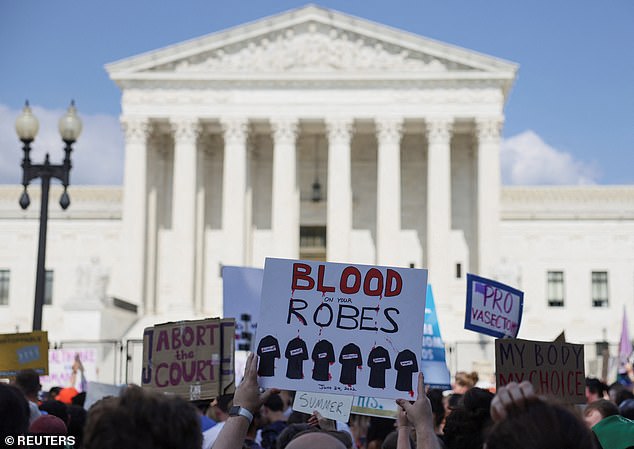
273	409
464	381
220	407
594	389
48	425
437	407
76	423
28	381
79	399
540	425
142	420
623	395
56	408
464	427
53	392
597	410
14	411
626	409
297	436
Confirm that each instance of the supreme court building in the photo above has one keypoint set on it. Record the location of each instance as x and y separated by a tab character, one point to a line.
314	134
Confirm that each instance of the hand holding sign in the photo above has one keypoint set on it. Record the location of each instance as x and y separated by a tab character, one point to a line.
247	394
419	413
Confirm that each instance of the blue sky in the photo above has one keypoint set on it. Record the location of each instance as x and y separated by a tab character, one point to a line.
571	109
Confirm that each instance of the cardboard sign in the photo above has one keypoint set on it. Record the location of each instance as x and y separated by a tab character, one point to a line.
339	328
370	406
193	359
96	391
241	290
60	367
433	362
554	368
332	406
27	350
493	308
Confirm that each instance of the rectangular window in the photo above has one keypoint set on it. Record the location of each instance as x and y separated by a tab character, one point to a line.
312	243
599	289
458	270
555	288
48	288
5	278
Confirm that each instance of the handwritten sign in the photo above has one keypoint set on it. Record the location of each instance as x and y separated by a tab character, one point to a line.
343	329
371	406
60	367
193	359
332	406
27	350
554	368
493	308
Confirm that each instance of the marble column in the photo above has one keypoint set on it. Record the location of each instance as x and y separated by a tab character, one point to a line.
439	204
185	131
234	179
488	206
339	190
129	276
285	216
388	220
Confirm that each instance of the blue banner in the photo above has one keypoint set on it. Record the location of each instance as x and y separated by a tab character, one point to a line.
241	289
433	362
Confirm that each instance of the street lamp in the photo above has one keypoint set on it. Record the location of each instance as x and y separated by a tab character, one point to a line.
27	126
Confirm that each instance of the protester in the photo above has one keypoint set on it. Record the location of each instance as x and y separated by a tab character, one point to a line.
274	421
419	416
465	426
594	389
615	432
220	411
522	421
142	420
464	381
597	410
438	409
55	408
14	411
28	381
52	393
76	423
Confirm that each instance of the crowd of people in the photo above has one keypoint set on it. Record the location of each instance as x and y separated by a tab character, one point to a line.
251	418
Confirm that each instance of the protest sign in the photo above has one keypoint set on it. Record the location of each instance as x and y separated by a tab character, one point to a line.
371	406
60	368
493	308
27	350
554	368
339	328
193	359
96	391
433	363
331	406
241	289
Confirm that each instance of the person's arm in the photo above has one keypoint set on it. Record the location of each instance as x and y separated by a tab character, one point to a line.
420	416
403	430
248	396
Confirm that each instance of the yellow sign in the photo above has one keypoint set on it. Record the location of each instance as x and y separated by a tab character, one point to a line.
27	350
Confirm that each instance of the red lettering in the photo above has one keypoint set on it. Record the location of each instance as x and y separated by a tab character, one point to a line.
301	272
393	283
343	285
320	281
372	274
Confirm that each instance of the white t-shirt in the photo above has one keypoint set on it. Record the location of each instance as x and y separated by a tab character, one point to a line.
210	435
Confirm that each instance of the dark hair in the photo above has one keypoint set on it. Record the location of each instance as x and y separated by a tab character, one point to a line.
623	395
604	407
595	386
293	431
379	428
56	408
142	420
14	411
223	402
465	424
626	409
454	400
274	403
76	423
79	399
540	426
435	398
28	381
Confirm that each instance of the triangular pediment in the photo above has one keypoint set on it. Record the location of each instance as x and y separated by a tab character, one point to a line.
310	40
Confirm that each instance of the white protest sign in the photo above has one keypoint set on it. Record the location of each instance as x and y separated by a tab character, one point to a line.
341	328
493	308
369	406
96	391
331	406
60	367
